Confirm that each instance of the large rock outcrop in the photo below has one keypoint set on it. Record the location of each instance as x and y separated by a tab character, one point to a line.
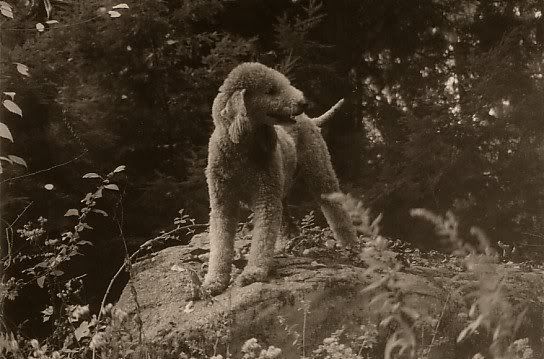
318	296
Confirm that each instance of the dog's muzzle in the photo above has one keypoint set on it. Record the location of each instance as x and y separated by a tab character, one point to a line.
288	117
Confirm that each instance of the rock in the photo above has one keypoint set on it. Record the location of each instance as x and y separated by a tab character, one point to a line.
319	297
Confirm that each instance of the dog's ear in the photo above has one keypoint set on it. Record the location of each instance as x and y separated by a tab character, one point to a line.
235	109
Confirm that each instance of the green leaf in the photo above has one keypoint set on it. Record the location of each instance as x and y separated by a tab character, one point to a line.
71	212
112	186
87	197
47	6
6	9
463	334
6	12
519	319
82	331
18	160
374	285
119	168
41	281
98	193
86	226
10	94
120	6
387	320
91	175
6	159
100	212
12	107
5	132
22	68
47	313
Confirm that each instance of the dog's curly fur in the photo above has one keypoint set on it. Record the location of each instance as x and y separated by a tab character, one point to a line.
253	159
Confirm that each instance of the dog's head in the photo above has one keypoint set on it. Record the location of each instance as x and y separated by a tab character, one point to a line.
254	94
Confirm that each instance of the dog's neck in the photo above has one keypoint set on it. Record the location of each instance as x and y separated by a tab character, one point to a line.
265	138
259	142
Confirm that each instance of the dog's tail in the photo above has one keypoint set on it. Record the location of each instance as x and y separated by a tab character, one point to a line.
319	121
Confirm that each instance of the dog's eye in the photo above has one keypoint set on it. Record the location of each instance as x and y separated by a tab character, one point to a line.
271	91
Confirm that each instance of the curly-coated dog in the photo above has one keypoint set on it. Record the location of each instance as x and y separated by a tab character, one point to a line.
253	159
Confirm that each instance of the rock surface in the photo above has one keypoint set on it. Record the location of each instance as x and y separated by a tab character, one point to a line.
313	297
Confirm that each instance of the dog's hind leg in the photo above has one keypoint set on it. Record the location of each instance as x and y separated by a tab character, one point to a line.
317	172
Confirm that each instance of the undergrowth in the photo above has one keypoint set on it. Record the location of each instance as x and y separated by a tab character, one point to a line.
396	330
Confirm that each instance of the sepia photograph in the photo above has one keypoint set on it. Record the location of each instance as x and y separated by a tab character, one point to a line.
272	179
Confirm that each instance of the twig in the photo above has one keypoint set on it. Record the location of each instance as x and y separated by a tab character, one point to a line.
52	27
9	233
438	324
119	222
305	311
10	242
45	169
304	334
294	242
21	214
129	260
135	254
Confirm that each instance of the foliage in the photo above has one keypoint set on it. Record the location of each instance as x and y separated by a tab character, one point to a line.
449	100
137	91
463	133
116	333
492	317
44	259
12	107
444	112
333	348
490	310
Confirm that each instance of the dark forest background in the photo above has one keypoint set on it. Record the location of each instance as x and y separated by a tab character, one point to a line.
445	106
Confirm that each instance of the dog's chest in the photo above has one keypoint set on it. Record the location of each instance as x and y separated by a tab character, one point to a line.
248	169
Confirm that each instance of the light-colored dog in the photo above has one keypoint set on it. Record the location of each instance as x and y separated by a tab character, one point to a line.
253	159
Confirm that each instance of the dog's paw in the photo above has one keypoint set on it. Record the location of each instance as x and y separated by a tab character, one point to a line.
252	275
213	287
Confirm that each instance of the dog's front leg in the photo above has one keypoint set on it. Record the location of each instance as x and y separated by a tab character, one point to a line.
223	224
267	223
